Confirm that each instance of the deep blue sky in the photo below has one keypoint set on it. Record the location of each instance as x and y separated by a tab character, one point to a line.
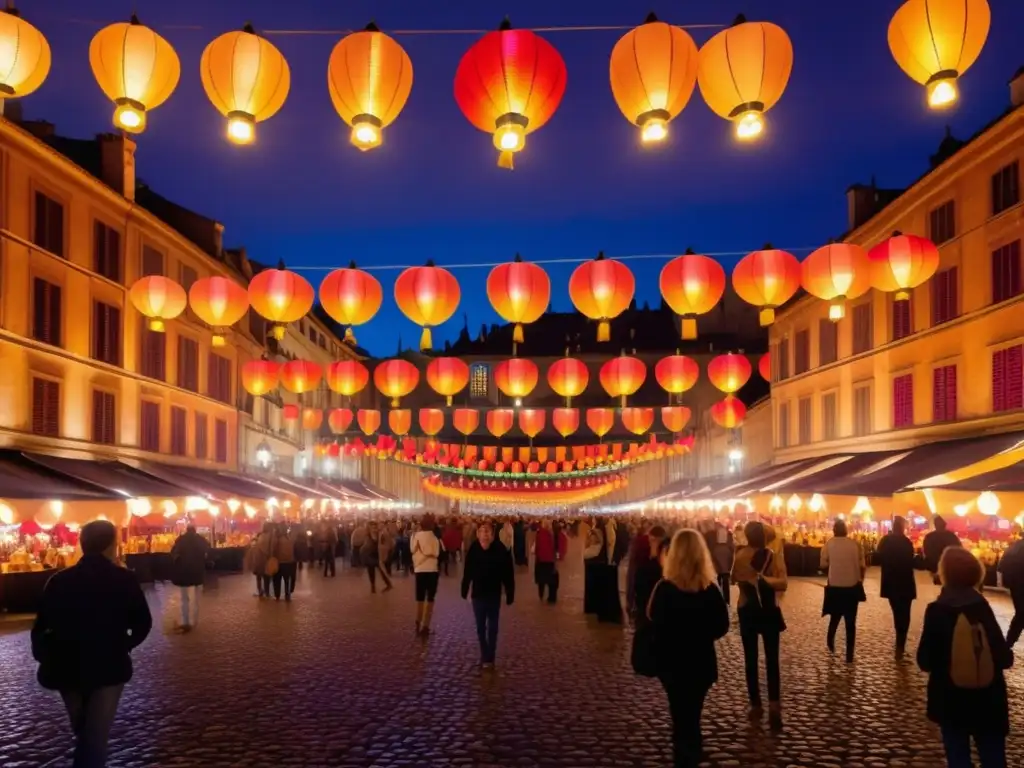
304	194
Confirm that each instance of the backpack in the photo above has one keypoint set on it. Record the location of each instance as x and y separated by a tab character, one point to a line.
970	659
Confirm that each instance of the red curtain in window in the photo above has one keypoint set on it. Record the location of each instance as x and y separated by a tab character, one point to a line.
1006	269
944	393
903	401
902	319
944	296
1008	379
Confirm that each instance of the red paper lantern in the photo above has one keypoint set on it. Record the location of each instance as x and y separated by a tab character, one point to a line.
519	292
158	298
509	84
565	420
551	467
447	376
428	296
260	376
351	297
312	418
516	377
692	285
764	366
368	420
400	421
396	379
676	374
601	290
347	377
728	373
568	378
767	279
290	412
637	420
499	421
902	263
281	297
837	272
600	420
466	420
728	413
622	376
431	421
218	302
675	417
300	376
339	420
531	421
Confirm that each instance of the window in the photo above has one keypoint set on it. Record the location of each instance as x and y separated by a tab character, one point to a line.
863	328
942	223
479	380
104	418
218	385
188	277
783	425
1006	281
106	333
902	319
220	439
179	436
783	366
1008	379
1005	187
154	353
862	421
149	438
201	441
944	296
45	407
802	353
903	401
944	393
152	262
829	417
188	364
803	416
828	342
46	312
312	333
106	251
49	229
258	328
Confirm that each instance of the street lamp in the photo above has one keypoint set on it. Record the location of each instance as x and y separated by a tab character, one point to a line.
264	454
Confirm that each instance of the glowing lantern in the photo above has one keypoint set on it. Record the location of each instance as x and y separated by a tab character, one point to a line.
259	376
637	420
158	298
728	373
447	376
936	41
466	420
246	78
218	302
601	290
312	418
677	373
742	72
600	421
519	293
369	76
24	55
347	377
764	366
837	272
675	417
428	296
902	263
565	420
988	503
431	421
400	421
568	378
281	297
499	421
339	420
300	376
396	379
368	421
509	84
767	279
728	413
622	376
351	297
290	412
692	285
516	377
531	421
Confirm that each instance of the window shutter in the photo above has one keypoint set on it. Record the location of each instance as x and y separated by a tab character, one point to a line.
104	418
46	312
998	380
783	365
150	422
188	364
951	403
154	353
201	440
862	328
802	353
221	439
1014	374
827	342
45	407
179	439
902	319
903	401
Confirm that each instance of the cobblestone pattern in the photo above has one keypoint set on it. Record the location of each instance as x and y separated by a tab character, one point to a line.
337	679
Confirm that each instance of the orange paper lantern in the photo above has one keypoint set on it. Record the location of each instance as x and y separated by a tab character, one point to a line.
300	376
692	285
622	376
260	376
428	296
158	298
447	376
568	378
396	379
466	420
767	279
400	421
728	413
431	421
601	290
516	377
281	297
565	420
600	420
764	366
499	421
729	372
902	263
519	293
368	420
347	377
218	302
675	417
837	272
351	297
637	420
677	373
531	421
339	420
312	418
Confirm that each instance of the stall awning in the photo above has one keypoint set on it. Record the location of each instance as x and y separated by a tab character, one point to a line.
24	479
204	482
370	492
738	489
1006	479
828	472
306	488
117	478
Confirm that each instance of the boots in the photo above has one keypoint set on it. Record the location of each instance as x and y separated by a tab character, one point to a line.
428	610
419	616
775	716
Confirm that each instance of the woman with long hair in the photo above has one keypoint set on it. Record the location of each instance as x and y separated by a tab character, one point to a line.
688	614
426	552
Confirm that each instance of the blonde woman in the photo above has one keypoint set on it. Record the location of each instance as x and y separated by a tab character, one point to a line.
688	614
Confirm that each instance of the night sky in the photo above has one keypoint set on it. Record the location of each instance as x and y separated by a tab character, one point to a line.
302	193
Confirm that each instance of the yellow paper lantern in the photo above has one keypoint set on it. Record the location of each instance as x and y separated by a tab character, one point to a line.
136	68
935	41
246	78
24	55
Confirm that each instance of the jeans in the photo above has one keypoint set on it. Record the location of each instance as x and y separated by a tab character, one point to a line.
485	611
749	636
189	606
900	607
849	619
686	704
723	584
285	575
991	748
1017	622
91	713
263	585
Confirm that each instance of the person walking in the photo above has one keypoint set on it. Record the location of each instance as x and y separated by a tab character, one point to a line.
426	551
899	586
723	554
91	617
451	540
1011	566
965	654
329	546
639	554
259	556
487	570
369	554
386	546
843	558
549	547
188	570
687	614
284	551
935	543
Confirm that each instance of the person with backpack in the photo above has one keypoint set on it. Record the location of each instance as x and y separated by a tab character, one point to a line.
1011	565
899	586
964	653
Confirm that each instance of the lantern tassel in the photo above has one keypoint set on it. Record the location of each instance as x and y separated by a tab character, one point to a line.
689	328
517	333
449	400
604	331
767	316
350	338
505	160
426	340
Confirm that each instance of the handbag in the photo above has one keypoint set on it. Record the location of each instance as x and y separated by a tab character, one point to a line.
644	654
272	565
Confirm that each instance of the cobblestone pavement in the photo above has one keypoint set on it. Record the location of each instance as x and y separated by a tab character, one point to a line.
337	679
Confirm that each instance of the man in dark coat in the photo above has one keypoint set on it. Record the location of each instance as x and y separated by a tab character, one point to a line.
935	544
1011	565
91	617
896	556
188	569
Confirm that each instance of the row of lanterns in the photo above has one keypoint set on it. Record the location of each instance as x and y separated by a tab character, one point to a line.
508	84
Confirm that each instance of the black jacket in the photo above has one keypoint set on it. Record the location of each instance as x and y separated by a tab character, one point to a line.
686	626
896	556
188	560
90	618
935	544
647	575
487	571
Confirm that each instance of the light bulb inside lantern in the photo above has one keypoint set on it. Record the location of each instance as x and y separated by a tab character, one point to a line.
509	140
654	130
156	325
241	128
366	133
942	92
837	310
749	125
130	116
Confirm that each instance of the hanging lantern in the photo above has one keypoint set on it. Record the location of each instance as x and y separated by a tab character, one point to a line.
466	420
447	376
290	412
247	80
675	417
369	77
339	420
351	297
764	366
565	420
519	292
499	421
936	41
259	376
300	376
428	296
218	302
600	421
902	263
622	376
396	379
638	420
312	418
676	373
347	377
653	71
368	421
728	373
531	421
281	297
24	55
568	378
431	421
837	272
766	279
728	413
509	84
158	298
742	72
692	285
516	377
602	290
400	421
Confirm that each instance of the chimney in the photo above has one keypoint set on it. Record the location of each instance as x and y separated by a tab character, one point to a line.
117	162
39	128
860	204
1017	88
218	238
